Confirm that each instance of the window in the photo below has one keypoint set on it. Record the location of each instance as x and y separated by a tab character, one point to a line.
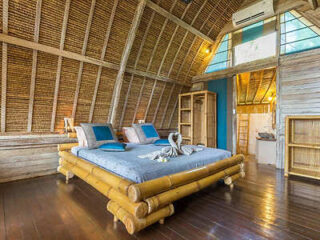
221	59
297	33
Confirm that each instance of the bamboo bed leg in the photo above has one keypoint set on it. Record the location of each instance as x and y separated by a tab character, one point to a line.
161	221
228	181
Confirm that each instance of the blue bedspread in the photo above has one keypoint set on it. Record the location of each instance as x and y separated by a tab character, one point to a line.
128	165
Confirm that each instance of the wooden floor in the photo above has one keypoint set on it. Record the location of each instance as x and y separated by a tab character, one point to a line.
264	205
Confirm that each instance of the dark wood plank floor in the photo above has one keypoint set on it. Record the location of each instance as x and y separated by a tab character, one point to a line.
264	205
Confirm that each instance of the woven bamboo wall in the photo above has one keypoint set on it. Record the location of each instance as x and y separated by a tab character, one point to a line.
161	48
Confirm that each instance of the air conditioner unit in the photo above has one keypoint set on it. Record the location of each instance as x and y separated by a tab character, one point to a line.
255	12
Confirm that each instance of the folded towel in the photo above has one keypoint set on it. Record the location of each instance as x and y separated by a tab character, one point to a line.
173	150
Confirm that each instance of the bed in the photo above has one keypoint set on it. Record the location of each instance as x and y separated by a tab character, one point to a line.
141	191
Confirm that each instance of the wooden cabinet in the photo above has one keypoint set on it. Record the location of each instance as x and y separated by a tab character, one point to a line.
197	118
302	148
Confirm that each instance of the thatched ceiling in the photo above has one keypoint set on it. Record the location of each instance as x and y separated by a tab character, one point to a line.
256	87
39	88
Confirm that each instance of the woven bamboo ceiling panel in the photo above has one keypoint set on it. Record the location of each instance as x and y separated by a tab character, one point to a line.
41	87
256	87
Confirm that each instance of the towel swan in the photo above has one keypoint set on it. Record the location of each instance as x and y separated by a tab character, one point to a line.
176	148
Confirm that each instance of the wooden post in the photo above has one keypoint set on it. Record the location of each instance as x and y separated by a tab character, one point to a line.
126	101
5	6
103	53
124	59
57	84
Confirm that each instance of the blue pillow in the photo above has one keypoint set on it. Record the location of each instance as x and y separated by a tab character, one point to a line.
98	134
162	142
113	147
146	133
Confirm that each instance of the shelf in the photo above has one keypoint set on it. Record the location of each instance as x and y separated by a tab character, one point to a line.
186	138
185	109
185	124
304	145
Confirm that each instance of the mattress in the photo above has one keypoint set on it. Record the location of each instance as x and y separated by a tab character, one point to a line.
129	166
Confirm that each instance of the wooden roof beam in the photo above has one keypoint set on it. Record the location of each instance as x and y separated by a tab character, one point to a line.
75	56
260	82
313	4
273	80
178	21
124	59
266	63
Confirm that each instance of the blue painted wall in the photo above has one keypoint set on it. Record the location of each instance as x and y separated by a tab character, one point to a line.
220	88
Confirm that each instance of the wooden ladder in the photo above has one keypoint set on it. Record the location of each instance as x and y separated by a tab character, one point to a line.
243	133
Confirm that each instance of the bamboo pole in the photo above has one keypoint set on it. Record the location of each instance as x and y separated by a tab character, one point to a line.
139	210
118	183
158	201
144	190
66	146
133	224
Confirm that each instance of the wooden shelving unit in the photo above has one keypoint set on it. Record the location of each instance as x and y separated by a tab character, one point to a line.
197	118
302	148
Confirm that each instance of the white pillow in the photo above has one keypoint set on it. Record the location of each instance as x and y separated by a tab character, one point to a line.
81	137
131	134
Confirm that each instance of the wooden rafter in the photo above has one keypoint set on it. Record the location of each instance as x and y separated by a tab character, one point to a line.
271	82
103	53
5	6
58	74
174	107
34	65
313	4
171	40
270	62
178	21
238	87
248	87
135	67
216	42
158	105
155	47
185	37
83	51
167	105
259	85
195	38
124	59
138	101
75	56
150	100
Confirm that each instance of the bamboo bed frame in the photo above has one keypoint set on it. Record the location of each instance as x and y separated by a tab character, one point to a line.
138	205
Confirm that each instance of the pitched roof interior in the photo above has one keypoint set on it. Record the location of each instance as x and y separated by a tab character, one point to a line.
161	47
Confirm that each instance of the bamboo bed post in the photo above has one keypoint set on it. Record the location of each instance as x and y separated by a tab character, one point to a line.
138	192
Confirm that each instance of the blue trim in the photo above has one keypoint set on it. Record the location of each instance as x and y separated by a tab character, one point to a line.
220	88
102	133
149	131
